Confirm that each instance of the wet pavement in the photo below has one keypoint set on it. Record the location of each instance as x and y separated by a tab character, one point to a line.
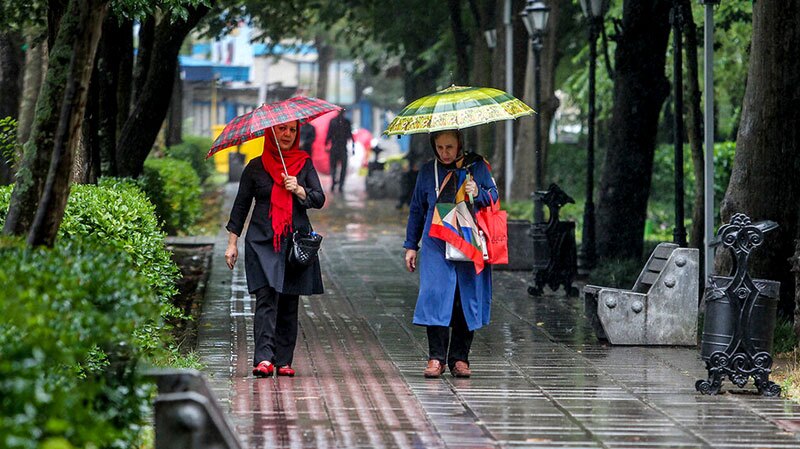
540	378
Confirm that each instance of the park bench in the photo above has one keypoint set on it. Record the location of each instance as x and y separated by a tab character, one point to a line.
660	309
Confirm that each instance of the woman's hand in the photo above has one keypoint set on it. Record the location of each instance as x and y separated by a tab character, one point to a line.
471	188
232	252
290	182
411	260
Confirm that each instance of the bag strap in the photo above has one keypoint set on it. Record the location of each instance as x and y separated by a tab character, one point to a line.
436	175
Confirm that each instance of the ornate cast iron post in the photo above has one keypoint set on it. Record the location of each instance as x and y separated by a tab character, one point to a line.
740	315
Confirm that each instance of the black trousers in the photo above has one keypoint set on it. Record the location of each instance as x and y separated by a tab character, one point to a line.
459	341
275	327
338	157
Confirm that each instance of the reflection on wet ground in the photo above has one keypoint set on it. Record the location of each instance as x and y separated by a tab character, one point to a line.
540	377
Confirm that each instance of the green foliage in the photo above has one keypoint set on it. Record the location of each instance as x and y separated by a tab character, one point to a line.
616	273
8	140
68	366
174	189
22	15
661	210
117	215
566	166
193	150
784	339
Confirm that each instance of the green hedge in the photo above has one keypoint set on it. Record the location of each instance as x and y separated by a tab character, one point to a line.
117	215
67	371
174	189
193	150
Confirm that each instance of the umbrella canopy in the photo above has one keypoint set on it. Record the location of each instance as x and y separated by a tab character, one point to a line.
254	123
457	107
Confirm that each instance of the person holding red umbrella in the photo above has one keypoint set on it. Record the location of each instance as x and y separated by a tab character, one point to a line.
284	185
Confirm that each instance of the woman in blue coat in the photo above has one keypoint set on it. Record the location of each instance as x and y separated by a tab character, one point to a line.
453	300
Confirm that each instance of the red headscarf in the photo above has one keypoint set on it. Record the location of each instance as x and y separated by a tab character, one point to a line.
280	209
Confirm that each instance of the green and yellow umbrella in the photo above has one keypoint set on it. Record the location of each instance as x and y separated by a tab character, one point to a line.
457	107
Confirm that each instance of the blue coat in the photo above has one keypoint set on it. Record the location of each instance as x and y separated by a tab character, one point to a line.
438	277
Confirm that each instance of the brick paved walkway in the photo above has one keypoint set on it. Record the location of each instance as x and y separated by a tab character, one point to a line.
540	378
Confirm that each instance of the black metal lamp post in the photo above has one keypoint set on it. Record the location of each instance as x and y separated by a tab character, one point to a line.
594	10
676	19
535	18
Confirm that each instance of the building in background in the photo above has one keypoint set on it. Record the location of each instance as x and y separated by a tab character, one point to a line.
230	76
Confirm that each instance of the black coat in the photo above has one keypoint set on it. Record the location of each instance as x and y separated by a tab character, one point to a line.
263	266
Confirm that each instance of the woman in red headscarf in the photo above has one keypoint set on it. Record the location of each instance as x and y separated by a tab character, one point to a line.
281	201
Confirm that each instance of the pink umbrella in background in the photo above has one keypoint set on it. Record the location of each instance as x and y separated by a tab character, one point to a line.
364	137
319	155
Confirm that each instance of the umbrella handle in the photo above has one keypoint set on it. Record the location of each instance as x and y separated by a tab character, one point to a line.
280	153
471	199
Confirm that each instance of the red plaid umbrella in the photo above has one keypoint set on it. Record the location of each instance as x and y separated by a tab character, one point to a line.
253	124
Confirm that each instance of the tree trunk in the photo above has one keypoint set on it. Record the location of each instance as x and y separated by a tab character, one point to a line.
106	88
324	58
11	63
498	80
124	86
640	87
795	261
83	167
55	11
522	47
462	44
150	109
764	181
144	54
420	81
694	132
81	27
481	73
174	134
35	67
40	194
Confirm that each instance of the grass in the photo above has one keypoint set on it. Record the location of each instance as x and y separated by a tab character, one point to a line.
211	199
786	373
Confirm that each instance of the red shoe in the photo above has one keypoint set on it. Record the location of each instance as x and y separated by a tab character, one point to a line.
263	369
285	370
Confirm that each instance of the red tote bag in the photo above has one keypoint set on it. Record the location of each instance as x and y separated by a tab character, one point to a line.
494	223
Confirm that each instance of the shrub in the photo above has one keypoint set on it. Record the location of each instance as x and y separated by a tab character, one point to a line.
174	189
784	339
8	140
117	215
616	273
193	150
67	371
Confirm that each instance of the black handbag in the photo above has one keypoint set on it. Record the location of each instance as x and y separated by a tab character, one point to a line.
304	249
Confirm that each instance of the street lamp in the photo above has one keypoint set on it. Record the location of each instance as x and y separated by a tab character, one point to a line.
676	19
535	19
708	87
594	10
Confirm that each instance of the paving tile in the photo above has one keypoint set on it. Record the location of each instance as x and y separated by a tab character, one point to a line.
540	378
